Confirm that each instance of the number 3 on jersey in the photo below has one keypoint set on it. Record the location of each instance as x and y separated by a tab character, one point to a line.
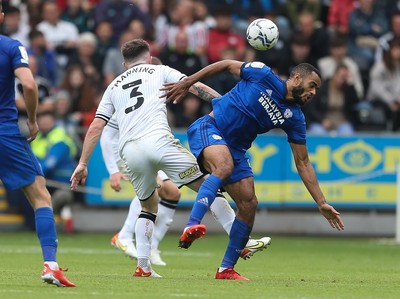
134	94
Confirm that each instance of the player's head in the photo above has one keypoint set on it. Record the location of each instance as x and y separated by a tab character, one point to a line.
304	80
135	52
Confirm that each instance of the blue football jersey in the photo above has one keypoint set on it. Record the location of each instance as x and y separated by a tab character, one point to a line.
257	105
12	56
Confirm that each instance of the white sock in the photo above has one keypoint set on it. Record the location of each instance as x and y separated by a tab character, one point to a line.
220	269
223	212
144	231
128	229
52	265
165	216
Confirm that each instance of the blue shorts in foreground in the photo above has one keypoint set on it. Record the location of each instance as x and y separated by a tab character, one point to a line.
204	132
18	165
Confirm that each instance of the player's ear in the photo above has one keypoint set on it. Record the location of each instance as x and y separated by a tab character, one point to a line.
297	79
1	17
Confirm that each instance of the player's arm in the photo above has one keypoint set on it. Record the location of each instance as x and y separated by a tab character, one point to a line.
204	92
176	91
90	142
307	174
108	144
30	96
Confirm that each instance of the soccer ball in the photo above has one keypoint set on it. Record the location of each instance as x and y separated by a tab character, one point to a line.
262	34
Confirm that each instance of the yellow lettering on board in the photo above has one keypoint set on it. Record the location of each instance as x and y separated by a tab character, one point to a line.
392	159
259	155
320	159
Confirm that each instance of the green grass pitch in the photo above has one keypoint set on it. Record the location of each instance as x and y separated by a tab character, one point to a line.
292	267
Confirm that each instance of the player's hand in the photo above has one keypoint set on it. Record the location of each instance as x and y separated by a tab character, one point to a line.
33	130
332	216
175	92
79	176
115	180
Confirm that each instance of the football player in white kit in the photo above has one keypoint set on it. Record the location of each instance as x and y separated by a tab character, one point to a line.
168	191
146	144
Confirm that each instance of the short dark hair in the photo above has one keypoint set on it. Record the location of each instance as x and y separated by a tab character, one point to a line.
1	6
34	34
134	49
305	70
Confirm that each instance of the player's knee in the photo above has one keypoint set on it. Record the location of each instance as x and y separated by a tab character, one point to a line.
248	204
224	170
169	190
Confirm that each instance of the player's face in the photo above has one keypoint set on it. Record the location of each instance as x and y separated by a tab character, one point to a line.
306	89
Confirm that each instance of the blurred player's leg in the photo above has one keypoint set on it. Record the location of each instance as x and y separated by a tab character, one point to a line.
238	238
124	239
223	212
169	198
144	231
40	199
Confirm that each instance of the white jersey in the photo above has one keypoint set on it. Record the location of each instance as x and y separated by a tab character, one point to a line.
134	96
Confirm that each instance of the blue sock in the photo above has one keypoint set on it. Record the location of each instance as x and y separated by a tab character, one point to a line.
46	232
205	197
238	237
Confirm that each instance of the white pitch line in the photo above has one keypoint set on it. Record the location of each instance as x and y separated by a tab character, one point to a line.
85	251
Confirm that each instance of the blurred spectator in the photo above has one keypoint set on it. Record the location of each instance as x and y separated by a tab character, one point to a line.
61	35
384	88
192	109
316	34
56	152
85	55
65	118
139	31
13	27
33	12
294	8
222	36
338	16
81	91
160	20
181	57
202	14
119	13
383	42
299	52
103	33
112	66
44	93
333	107
183	18
75	14
338	55
46	57
366	25
224	81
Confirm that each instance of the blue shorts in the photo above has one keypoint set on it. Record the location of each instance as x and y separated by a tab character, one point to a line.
204	132
18	165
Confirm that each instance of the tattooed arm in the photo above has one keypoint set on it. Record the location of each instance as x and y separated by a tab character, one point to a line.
204	92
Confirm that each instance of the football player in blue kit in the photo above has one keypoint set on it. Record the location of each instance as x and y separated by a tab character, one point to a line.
260	101
19	168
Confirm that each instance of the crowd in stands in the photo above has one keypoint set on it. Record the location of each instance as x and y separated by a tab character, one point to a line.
74	52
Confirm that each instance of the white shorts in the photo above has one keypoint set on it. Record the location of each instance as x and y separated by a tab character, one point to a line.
122	169
144	157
